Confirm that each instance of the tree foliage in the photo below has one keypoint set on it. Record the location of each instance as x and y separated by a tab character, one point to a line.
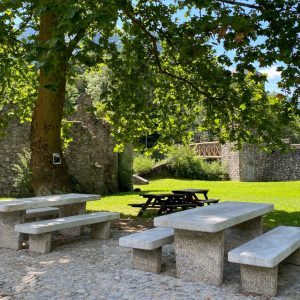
163	65
176	61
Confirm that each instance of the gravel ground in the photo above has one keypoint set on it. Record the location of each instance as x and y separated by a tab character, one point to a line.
93	269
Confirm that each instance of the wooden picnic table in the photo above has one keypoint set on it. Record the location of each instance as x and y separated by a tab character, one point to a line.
12	212
200	236
191	193
166	203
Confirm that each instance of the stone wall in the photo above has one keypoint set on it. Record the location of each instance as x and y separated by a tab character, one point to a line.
93	165
231	160
15	141
251	164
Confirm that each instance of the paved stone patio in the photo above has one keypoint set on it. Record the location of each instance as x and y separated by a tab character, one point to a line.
93	269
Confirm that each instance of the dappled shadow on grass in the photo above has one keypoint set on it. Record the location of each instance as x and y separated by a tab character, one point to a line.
281	217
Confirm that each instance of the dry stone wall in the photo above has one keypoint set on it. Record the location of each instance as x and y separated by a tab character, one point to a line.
231	160
251	164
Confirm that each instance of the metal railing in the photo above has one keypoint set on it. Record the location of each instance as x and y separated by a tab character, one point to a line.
209	150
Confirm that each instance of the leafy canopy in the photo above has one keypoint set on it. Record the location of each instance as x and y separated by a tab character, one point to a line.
163	68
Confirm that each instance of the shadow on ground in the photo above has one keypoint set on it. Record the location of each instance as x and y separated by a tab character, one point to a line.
281	217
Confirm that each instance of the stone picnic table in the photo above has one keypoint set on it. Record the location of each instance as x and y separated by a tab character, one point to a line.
12	212
200	235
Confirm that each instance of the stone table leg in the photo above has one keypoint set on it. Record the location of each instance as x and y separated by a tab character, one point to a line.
8	237
238	235
147	260
259	280
72	210
294	258
100	230
199	255
40	243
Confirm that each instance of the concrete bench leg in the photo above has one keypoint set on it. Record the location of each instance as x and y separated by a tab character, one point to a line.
240	234
9	238
72	210
294	258
147	260
259	280
100	230
40	243
199	256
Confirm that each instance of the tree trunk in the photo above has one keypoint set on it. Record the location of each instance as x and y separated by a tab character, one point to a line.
49	178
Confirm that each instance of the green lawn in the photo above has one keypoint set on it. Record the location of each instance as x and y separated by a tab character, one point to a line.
284	195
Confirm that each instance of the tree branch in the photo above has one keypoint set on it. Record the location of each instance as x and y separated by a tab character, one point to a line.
156	53
233	2
73	43
24	24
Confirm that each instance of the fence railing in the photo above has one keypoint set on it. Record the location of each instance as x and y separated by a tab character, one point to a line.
209	150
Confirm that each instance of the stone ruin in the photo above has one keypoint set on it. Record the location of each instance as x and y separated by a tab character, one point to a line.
92	162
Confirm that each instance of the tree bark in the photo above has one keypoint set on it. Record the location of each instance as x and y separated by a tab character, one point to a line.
49	178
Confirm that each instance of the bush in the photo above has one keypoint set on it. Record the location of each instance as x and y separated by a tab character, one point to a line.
142	164
214	170
22	181
185	163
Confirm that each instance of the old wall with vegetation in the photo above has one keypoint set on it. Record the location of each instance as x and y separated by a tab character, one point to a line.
16	141
93	165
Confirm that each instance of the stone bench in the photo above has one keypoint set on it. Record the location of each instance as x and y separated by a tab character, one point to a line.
40	232
259	258
147	247
41	213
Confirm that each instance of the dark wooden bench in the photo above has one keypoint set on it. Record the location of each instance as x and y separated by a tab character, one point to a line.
136	204
208	201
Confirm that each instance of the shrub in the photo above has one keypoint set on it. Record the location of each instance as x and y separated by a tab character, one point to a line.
142	164
214	170
184	162
22	181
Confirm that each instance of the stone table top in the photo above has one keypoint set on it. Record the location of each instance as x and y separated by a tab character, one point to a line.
45	201
214	218
269	249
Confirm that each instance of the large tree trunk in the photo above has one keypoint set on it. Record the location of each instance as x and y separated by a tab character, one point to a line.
49	178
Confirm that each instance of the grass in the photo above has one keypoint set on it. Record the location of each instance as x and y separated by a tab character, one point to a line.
284	195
